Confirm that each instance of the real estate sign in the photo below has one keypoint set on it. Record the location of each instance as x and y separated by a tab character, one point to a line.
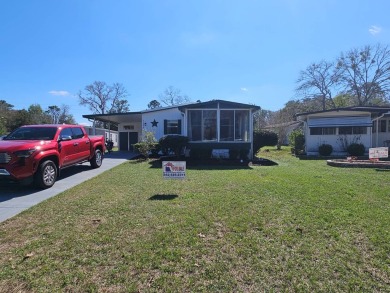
377	153
174	169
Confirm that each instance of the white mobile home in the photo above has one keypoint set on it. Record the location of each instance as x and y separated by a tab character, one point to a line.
215	124
340	127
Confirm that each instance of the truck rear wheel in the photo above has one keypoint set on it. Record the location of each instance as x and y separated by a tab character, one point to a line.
46	175
97	159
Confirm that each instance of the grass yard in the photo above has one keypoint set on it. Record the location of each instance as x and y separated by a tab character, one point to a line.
300	226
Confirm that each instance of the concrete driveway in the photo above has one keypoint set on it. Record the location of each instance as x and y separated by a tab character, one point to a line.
15	198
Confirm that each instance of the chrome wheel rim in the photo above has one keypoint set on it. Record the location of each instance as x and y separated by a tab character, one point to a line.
99	158
49	175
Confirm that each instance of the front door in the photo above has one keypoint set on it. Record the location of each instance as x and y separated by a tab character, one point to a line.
123	141
126	140
133	138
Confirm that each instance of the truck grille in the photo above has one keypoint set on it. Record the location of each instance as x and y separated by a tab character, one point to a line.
4	158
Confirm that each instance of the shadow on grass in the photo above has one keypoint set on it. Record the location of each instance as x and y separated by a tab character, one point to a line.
163	197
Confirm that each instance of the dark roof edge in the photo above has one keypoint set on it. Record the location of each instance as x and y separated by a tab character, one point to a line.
90	116
203	104
372	109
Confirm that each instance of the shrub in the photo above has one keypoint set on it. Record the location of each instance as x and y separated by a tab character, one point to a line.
297	141
148	144
356	149
263	138
173	143
325	149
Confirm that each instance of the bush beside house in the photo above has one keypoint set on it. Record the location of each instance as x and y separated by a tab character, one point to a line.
356	149
325	149
263	138
173	143
297	142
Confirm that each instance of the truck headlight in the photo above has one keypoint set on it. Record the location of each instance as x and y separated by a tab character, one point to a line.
24	153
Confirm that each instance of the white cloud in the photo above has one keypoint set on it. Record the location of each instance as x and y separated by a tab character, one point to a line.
374	30
244	89
59	93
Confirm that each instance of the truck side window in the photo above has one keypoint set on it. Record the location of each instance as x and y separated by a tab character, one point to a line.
77	133
66	132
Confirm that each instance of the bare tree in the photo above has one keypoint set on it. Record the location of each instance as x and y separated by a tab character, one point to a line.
54	113
280	121
261	118
366	74
318	81
102	98
120	106
173	96
65	116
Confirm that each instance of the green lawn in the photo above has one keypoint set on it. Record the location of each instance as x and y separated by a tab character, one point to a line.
300	226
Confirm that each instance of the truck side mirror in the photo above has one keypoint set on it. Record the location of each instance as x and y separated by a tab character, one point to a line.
65	138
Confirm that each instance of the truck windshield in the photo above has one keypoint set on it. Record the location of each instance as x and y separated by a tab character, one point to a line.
32	133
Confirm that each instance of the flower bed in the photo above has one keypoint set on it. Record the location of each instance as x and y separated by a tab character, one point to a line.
358	163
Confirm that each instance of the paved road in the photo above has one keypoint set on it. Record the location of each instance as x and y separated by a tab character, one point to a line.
15	198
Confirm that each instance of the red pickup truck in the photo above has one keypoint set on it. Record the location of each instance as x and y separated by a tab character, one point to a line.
40	152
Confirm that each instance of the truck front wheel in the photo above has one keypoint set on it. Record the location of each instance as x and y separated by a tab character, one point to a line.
97	159
46	175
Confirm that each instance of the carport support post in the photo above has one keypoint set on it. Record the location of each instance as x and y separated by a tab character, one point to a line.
109	130
94	126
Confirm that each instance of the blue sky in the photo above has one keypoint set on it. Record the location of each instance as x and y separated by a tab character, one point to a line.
245	51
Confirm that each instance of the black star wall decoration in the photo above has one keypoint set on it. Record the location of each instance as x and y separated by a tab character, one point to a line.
154	123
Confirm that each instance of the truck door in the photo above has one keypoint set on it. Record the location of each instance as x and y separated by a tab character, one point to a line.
81	143
66	147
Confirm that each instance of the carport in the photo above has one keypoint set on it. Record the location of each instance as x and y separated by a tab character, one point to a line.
129	127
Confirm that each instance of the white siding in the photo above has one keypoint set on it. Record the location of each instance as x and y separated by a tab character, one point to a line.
159	117
314	141
336	119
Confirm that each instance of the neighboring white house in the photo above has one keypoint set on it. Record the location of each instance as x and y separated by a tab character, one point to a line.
108	134
215	124
343	126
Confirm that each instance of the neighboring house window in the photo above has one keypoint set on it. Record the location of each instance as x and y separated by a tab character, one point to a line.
322	130
353	130
382	125
172	126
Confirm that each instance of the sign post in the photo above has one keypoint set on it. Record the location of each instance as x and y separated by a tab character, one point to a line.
174	169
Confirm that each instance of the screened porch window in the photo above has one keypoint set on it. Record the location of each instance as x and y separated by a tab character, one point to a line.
233	125
202	125
227	125
242	125
209	122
